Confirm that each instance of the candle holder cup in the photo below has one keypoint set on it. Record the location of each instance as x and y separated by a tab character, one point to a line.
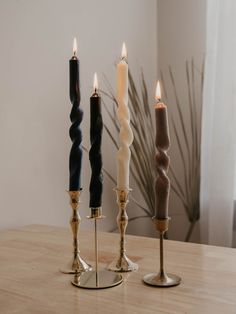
123	263
162	279
97	279
77	265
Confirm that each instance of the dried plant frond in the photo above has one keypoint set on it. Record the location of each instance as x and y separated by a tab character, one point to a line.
189	192
143	149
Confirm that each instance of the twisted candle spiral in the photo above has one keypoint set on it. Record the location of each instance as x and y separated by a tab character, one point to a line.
76	117
125	139
95	155
162	184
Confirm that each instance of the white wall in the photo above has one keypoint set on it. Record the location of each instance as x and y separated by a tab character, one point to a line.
36	42
181	36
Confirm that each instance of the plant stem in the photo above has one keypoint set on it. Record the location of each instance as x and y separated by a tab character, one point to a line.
190	231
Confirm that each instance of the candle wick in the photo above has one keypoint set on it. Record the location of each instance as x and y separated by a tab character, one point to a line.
124	59
95	94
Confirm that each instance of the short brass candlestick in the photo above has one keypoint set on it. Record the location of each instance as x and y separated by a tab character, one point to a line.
162	279
77	265
123	263
97	279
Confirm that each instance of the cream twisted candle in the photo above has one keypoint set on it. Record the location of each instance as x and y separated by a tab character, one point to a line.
126	134
162	185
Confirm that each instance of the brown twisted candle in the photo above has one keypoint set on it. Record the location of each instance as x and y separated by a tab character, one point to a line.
162	185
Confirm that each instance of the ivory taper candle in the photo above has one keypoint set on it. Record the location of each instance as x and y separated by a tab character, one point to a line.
162	185
76	117
126	134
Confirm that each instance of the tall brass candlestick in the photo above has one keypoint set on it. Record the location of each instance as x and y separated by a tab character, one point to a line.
122	263
162	279
96	279
77	265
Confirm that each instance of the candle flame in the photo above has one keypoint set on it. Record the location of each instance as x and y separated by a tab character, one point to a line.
124	51
75	48
158	91
95	82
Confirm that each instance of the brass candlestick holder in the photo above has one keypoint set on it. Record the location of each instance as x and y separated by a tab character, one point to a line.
123	263
77	265
162	279
97	279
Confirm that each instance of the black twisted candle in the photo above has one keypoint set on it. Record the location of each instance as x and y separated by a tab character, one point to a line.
162	185
76	117
95	155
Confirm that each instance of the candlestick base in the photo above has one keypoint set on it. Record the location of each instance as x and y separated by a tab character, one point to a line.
101	279
123	264
77	265
162	280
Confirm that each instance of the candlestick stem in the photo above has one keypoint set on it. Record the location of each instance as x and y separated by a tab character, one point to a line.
162	279
96	250
77	265
98	279
161	253
123	263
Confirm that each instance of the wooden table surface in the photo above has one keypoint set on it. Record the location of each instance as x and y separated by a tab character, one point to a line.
30	281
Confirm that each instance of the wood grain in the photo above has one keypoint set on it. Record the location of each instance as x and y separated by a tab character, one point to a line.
30	281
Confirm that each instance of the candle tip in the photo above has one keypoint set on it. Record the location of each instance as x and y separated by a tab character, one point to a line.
95	82
124	51
75	47
158	91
